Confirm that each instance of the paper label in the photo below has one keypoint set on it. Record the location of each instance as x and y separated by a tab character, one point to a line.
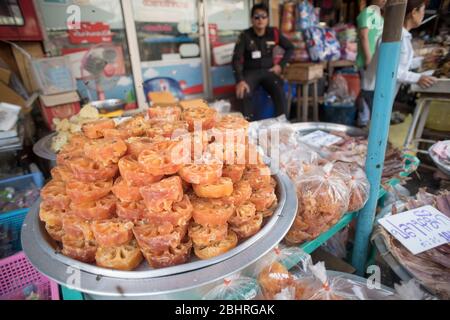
419	229
320	138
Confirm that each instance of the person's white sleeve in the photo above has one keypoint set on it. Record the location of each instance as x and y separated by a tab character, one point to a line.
403	73
416	62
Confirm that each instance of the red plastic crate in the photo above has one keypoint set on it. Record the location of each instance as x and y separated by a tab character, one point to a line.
19	280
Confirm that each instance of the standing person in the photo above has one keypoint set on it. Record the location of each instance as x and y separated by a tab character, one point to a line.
253	63
415	11
370	28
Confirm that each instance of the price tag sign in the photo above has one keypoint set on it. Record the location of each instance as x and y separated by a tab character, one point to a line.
419	229
320	138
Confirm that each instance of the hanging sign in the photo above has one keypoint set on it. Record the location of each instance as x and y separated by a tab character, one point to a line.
419	229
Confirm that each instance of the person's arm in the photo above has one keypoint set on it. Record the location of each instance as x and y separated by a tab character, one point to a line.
406	76
403	73
364	40
238	58
288	50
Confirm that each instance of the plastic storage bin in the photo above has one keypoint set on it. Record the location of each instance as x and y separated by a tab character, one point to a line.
439	116
263	106
11	221
19	280
343	114
53	75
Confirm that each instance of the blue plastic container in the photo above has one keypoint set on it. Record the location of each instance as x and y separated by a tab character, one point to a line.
11	221
343	114
262	105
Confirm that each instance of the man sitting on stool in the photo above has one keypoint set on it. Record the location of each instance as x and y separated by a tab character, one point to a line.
253	63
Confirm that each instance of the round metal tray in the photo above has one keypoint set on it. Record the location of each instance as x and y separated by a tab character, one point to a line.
43	149
40	250
307	127
444	168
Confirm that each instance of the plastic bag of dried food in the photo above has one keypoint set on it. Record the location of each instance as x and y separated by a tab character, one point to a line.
323	197
321	191
357	182
235	287
272	273
297	158
336	287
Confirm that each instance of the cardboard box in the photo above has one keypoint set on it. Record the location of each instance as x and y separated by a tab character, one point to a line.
60	106
5	75
303	71
10	96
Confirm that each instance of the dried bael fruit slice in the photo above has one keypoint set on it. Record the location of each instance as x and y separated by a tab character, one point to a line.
125	257
161	195
164	157
249	228
179	215
221	188
159	238
86	170
80	192
133	211
171	257
263	198
211	211
205	235
217	248
94	129
105	151
101	209
54	193
233	171
243	214
112	233
124	191
134	174
201	173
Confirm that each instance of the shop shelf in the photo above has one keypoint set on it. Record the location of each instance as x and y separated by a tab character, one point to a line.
19	280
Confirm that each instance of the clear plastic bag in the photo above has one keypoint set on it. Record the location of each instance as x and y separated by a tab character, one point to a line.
411	290
323	197
236	287
332	287
272	273
358	184
337	245
295	159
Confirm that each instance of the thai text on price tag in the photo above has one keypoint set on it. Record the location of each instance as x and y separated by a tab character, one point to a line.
320	138
419	229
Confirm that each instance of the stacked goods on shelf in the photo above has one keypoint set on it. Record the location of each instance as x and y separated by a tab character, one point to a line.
347	36
157	186
322	44
443	67
300	51
430	268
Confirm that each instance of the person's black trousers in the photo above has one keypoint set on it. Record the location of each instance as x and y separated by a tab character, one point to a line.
272	83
